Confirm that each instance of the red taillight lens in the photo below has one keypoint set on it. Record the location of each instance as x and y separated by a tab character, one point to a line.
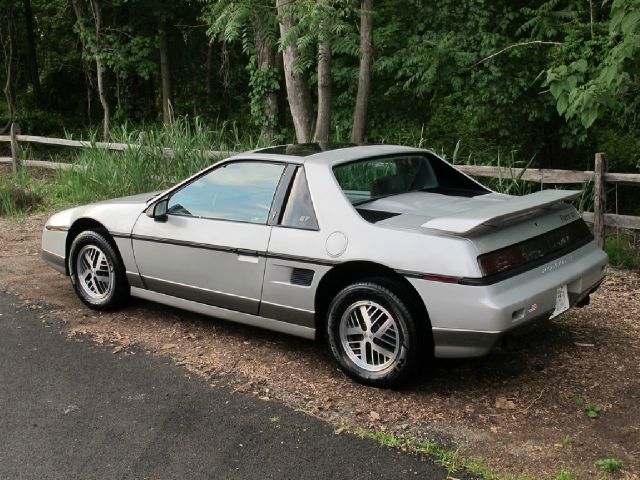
501	260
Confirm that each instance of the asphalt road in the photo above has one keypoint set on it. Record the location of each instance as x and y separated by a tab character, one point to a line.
72	409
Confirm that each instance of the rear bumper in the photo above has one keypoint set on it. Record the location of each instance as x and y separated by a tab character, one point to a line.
468	320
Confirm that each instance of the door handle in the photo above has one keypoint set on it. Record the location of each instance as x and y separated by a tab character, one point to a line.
248	258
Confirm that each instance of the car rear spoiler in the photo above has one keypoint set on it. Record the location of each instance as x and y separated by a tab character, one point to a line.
501	212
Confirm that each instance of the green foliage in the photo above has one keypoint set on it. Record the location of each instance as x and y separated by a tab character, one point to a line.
600	71
262	82
609	465
38	122
624	250
592	410
564	475
246	22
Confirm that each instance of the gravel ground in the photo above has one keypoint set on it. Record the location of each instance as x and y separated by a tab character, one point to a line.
519	408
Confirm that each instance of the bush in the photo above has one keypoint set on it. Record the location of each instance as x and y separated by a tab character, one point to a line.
38	122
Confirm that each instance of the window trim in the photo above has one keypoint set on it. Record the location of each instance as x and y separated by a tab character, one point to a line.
282	194
215	167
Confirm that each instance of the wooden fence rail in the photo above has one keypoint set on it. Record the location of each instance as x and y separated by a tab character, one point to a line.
599	175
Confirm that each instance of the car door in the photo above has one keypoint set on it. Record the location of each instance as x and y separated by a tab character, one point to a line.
294	264
211	245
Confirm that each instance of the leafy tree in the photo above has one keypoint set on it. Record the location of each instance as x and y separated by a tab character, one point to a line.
599	74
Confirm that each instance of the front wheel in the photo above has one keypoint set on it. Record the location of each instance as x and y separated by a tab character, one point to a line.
372	334
97	273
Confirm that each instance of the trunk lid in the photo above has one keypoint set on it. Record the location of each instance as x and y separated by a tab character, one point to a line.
464	216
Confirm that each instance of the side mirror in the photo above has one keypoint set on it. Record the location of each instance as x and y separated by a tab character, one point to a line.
158	211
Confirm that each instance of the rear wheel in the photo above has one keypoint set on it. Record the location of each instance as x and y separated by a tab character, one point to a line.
372	333
97	273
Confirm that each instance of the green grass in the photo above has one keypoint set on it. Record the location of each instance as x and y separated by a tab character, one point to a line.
623	249
147	168
19	194
452	460
564	475
609	465
449	459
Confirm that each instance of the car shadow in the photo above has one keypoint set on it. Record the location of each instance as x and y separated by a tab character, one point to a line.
515	358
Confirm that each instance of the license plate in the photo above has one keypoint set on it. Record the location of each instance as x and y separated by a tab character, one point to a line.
562	301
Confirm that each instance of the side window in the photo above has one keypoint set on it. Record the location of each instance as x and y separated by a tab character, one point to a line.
299	212
240	191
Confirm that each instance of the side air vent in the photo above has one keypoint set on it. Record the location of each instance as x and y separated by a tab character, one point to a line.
302	276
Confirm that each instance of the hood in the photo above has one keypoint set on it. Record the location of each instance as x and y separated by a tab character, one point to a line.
135	199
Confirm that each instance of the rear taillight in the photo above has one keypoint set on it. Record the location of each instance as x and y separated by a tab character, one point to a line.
501	260
536	249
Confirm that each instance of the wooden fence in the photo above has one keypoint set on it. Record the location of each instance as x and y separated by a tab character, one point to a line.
600	176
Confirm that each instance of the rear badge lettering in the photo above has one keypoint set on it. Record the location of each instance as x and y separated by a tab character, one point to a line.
568	217
557	264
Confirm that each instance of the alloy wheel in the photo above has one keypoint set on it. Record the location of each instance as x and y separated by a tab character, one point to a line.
369	335
95	272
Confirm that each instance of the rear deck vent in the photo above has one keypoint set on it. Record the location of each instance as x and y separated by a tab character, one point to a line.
374	216
302	276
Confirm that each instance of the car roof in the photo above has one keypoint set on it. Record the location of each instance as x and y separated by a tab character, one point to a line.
324	153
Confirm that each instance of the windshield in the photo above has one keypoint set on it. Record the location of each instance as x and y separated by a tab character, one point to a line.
367	180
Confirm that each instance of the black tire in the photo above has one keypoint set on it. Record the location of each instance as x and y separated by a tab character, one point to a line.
118	292
411	335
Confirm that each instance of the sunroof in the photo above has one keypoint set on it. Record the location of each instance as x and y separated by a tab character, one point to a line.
305	149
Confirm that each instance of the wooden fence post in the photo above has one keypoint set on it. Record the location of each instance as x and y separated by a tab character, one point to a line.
600	198
15	152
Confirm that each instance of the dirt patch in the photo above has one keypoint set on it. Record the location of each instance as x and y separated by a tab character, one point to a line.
523	408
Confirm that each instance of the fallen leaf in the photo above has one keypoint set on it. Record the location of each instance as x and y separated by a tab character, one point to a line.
169	346
374	415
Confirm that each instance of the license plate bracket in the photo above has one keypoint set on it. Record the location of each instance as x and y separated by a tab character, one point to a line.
562	301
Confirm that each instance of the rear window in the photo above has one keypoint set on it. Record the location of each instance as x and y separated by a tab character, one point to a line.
367	180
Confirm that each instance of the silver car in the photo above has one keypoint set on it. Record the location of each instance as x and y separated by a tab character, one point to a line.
389	252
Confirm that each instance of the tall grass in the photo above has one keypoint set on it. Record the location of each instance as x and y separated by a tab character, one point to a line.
104	174
19	194
623	249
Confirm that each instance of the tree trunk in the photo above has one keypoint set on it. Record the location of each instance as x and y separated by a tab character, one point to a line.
32	59
298	93
266	60
364	79
97	17
165	73
323	119
209	76
8	49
